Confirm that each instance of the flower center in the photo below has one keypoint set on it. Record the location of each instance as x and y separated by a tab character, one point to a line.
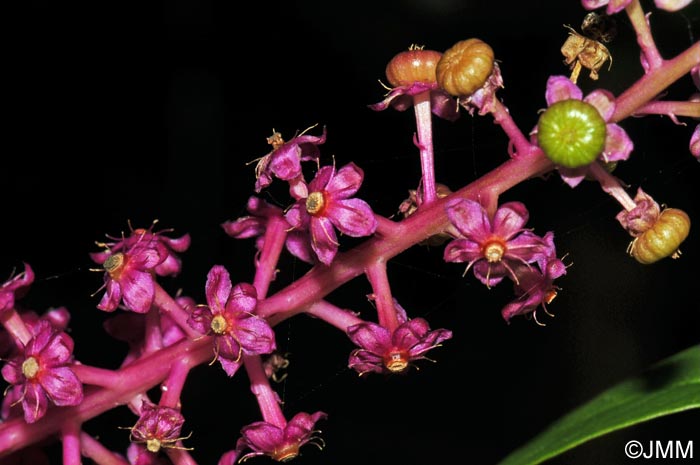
114	263
275	140
286	452
153	445
30	368
396	362
315	203
493	251
219	324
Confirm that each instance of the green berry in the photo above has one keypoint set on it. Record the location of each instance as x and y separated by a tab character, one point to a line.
571	133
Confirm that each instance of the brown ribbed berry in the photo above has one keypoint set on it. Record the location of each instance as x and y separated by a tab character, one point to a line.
663	239
465	67
411	66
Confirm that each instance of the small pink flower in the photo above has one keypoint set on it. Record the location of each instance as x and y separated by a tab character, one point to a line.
492	247
43	373
284	162
381	351
230	318
129	277
535	285
328	206
618	145
15	288
167	248
158	427
58	317
281	444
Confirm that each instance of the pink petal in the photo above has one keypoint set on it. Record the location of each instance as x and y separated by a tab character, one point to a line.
138	290
509	219
218	288
243	298
353	217
62	386
285	162
470	218
370	336
34	402
346	182
112	296
324	242
603	101
322	178
262	436
462	250
254	334
561	88
618	145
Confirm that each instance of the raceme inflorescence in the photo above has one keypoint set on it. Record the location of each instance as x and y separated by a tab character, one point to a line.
578	136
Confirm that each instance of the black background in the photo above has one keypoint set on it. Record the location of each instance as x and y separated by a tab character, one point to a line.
140	111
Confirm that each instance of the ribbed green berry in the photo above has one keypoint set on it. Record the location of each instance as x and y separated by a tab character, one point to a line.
571	133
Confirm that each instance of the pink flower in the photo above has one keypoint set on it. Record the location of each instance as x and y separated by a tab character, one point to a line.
382	351
43	373
157	427
328	206
167	248
15	288
129	276
493	247
58	317
230	318
618	145
284	162
535	285
281	444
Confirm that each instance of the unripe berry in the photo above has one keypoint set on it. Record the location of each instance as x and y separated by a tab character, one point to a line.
571	133
465	67
663	238
412	66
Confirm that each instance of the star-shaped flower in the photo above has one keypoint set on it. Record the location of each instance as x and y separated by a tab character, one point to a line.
42	373
230	318
493	247
328	206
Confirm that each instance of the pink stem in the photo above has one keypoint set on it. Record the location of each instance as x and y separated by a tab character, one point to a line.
690	109
266	397
654	82
386	310
644	37
385	227
275	235
611	185
320	281
96	376
14	325
338	317
424	125
170	307
153	339
172	387
502	117
136	378
95	451
70	436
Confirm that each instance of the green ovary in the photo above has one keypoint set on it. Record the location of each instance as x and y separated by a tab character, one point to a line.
571	133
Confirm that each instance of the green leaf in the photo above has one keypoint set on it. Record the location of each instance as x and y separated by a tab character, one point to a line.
670	386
